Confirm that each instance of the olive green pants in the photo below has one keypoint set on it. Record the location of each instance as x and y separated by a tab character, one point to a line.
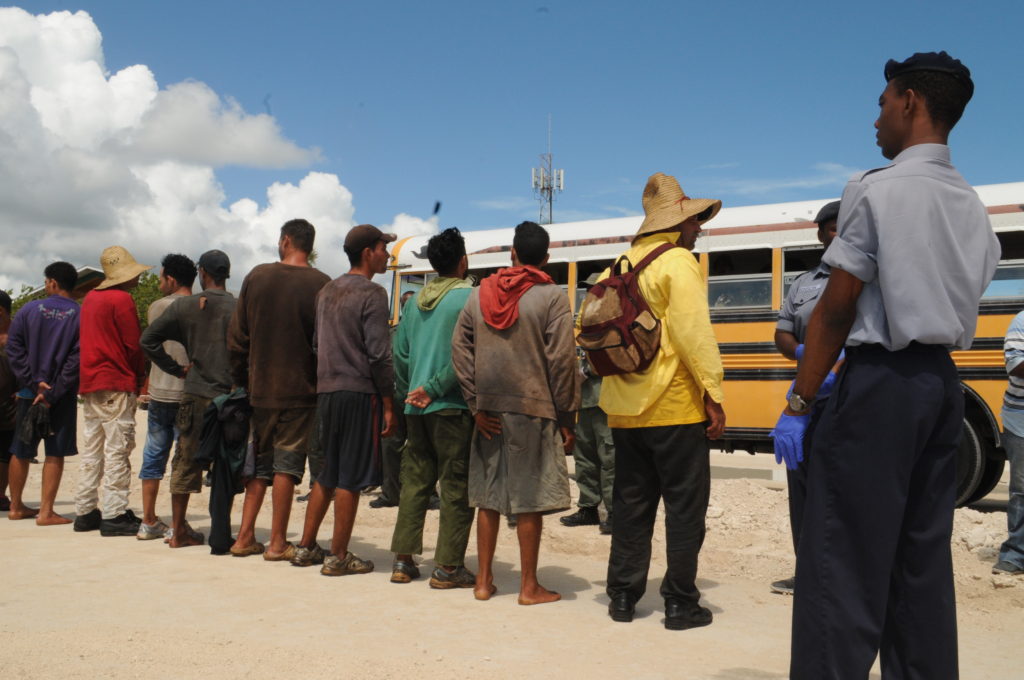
436	452
595	459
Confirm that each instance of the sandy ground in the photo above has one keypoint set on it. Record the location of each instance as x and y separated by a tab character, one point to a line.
85	606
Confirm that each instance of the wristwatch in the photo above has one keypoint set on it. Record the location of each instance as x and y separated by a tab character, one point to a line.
798	403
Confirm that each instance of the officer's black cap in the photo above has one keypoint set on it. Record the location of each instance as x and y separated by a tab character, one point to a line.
829	211
931	61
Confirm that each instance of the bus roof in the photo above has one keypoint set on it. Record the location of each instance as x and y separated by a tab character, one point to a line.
770	225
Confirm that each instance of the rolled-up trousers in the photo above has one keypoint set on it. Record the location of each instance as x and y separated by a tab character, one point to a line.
874	572
652	463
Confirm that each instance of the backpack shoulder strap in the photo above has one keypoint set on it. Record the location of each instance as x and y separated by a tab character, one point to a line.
651	256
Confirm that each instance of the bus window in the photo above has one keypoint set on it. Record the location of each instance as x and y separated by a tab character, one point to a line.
583	271
740	278
478	275
796	261
559	271
1008	281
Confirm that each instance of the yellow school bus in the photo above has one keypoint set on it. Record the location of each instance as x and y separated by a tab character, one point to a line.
750	255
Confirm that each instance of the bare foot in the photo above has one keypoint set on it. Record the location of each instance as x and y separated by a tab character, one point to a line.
484	592
539	595
186	541
51	520
24	512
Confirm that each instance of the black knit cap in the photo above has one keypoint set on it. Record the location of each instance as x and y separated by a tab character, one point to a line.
931	61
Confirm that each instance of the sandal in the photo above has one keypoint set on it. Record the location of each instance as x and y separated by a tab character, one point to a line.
285	555
254	548
333	566
404	572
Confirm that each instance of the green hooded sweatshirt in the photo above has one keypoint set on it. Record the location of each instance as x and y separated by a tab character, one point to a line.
422	350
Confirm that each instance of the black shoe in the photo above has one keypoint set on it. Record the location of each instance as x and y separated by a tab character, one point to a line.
606	525
581	518
785	586
622	608
382	502
90	521
125	524
683	615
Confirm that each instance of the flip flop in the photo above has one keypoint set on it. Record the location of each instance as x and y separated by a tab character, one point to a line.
256	548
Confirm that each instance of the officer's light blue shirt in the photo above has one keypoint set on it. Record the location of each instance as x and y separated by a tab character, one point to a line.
918	236
1013	400
801	300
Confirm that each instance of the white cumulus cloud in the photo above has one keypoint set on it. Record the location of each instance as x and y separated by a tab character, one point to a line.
90	158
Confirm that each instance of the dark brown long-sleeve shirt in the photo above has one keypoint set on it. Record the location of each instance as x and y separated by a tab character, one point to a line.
271	335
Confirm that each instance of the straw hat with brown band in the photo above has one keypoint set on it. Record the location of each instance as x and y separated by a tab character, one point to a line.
666	206
119	267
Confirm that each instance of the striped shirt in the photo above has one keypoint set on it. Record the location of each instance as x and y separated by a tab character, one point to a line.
1013	401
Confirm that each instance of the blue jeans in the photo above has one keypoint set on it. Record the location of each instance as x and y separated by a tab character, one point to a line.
1013	549
160	436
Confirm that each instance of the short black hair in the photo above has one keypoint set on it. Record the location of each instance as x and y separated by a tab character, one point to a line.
5	301
181	268
945	95
301	232
64	273
446	250
531	243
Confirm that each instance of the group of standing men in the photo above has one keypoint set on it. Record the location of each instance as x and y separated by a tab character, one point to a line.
491	393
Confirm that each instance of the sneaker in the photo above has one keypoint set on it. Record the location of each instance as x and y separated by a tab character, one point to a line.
511	521
581	518
785	586
382	502
1004	567
606	525
334	566
404	572
303	498
149	532
307	557
442	579
125	524
90	521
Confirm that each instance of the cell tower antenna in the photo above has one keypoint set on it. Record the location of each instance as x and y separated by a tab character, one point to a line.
547	181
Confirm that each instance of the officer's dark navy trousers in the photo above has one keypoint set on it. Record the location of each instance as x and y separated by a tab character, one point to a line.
652	463
874	571
796	480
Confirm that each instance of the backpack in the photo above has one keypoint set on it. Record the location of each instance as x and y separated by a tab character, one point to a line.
618	331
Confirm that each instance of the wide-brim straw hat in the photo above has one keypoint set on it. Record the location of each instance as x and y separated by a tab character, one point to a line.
666	206
119	266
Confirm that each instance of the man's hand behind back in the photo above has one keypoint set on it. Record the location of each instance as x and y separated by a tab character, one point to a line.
716	417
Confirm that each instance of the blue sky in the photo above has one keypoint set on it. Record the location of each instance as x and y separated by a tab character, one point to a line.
411	102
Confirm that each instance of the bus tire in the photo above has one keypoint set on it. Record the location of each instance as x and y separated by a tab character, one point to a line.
990	476
970	463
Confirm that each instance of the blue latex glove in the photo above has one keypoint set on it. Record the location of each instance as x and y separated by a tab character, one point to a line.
799	351
827	386
789	439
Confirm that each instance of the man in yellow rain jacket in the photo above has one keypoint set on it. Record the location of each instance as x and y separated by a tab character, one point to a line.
662	418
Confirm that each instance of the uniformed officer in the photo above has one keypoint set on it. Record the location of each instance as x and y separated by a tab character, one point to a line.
594	456
789	339
914	253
